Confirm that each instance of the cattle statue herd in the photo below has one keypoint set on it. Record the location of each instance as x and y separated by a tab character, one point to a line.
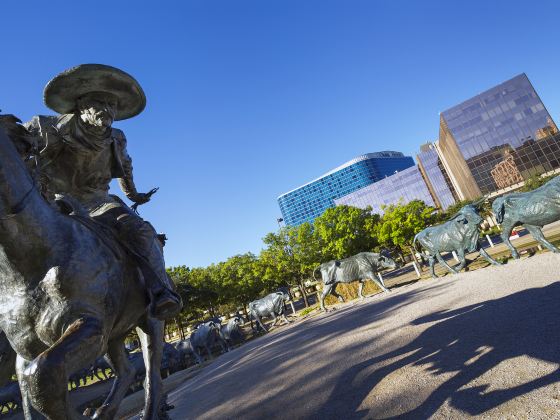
460	234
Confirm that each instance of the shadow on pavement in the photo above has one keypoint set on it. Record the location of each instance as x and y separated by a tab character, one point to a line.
521	324
266	358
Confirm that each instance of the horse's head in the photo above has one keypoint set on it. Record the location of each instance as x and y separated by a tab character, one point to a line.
23	140
26	144
16	180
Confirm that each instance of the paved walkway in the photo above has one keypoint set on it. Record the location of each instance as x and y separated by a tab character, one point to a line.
484	343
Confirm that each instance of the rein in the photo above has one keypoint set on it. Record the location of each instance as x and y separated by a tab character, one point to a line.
18	208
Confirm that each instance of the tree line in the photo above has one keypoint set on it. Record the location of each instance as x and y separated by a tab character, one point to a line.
290	255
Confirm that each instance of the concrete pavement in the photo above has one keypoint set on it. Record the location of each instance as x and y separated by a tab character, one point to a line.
484	343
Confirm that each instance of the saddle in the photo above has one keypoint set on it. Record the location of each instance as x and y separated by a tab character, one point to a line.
108	234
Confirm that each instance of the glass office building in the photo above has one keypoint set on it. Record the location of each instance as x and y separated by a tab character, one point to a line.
401	187
437	180
309	201
497	139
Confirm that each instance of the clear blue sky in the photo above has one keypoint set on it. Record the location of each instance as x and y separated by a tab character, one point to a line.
250	99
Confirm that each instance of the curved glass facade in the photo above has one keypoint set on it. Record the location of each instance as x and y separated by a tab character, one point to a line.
401	187
309	201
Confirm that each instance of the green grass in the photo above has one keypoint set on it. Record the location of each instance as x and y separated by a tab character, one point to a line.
90	381
307	311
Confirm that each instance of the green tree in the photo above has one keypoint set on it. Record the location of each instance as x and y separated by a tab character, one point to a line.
241	280
290	256
535	182
196	291
400	223
344	230
452	209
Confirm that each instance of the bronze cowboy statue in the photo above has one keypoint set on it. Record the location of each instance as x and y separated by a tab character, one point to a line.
79	268
80	153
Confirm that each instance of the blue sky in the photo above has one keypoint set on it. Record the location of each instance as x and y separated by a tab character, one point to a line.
250	99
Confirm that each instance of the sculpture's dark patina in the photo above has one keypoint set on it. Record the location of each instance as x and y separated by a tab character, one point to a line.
532	209
80	152
272	306
460	234
359	267
70	292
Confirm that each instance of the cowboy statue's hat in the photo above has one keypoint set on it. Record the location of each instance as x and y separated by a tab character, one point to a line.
62	92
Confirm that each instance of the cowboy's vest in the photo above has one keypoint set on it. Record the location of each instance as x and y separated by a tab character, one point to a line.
70	166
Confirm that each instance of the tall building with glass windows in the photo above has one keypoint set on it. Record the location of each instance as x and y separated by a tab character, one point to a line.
309	201
400	188
436	178
497	139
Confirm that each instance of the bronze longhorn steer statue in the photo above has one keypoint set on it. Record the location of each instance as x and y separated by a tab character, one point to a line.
532	209
460	234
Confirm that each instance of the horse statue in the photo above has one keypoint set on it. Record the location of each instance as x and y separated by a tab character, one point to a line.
68	294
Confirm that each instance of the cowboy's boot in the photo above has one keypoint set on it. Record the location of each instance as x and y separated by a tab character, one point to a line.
164	301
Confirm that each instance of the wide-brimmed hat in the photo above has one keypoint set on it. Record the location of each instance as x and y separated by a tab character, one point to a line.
62	92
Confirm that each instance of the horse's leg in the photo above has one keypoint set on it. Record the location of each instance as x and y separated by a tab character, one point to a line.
432	262
46	377
124	377
151	339
506	232
487	257
538	235
371	275
29	412
442	262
